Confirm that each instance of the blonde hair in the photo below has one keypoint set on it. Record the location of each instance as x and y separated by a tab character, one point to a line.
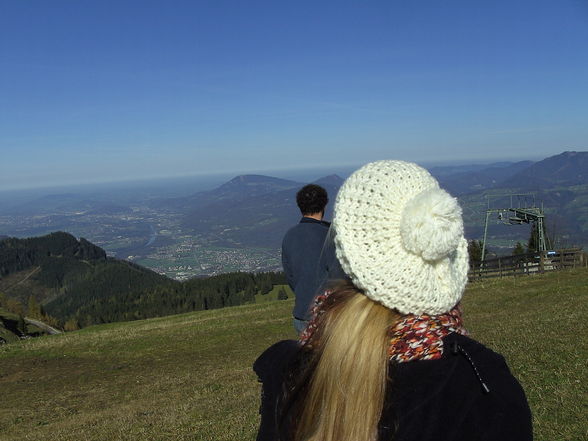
347	388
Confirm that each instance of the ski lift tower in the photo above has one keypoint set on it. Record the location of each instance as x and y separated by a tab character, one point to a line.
525	212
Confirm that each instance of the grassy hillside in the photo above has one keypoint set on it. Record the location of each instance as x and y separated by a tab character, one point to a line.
188	377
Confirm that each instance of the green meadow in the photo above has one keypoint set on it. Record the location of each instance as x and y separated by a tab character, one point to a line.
189	377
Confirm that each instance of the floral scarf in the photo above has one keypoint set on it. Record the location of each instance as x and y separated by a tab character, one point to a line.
419	337
319	307
415	337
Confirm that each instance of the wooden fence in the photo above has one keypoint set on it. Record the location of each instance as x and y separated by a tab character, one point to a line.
526	264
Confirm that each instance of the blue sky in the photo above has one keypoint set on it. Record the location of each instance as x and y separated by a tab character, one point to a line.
96	91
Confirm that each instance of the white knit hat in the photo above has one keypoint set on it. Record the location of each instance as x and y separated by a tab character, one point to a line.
399	237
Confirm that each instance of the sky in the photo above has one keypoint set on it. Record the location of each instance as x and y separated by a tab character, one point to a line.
98	91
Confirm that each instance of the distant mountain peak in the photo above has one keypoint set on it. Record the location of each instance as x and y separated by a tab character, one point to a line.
571	154
255	180
251	178
567	154
329	180
566	168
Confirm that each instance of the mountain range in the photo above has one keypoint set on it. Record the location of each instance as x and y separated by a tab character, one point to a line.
254	210
251	213
75	279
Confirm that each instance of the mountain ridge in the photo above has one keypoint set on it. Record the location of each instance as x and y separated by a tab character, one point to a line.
277	211
74	280
481	179
242	220
568	168
236	223
237	188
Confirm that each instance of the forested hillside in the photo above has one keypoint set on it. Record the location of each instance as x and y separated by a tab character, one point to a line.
20	254
103	300
73	284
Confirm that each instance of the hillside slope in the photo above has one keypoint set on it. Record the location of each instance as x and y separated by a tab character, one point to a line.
189	377
485	178
66	274
565	169
239	188
40	265
256	220
255	214
76	282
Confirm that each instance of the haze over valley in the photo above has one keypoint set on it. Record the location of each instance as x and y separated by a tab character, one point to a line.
238	225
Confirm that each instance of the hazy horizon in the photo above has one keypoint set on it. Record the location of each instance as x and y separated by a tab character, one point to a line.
113	91
304	174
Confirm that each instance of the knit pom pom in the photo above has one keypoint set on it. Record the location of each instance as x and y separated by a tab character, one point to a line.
431	225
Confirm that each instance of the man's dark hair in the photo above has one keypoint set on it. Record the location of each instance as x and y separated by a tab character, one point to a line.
311	199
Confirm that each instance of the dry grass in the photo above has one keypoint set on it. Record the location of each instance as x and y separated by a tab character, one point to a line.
188	377
184	377
539	324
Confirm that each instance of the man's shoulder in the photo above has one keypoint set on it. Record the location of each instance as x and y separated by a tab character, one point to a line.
292	231
306	230
312	221
307	224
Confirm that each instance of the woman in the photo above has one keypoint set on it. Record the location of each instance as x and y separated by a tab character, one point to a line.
386	356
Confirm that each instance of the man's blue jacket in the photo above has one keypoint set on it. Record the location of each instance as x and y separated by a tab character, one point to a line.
301	252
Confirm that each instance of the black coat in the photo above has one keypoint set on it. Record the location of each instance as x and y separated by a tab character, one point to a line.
443	399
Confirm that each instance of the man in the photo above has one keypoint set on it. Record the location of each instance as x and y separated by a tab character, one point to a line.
301	251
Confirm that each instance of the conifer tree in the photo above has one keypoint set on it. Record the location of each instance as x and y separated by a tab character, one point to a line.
475	252
14	306
518	249
21	326
282	294
71	325
34	309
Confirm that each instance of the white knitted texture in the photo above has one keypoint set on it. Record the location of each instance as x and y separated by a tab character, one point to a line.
431	224
420	270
